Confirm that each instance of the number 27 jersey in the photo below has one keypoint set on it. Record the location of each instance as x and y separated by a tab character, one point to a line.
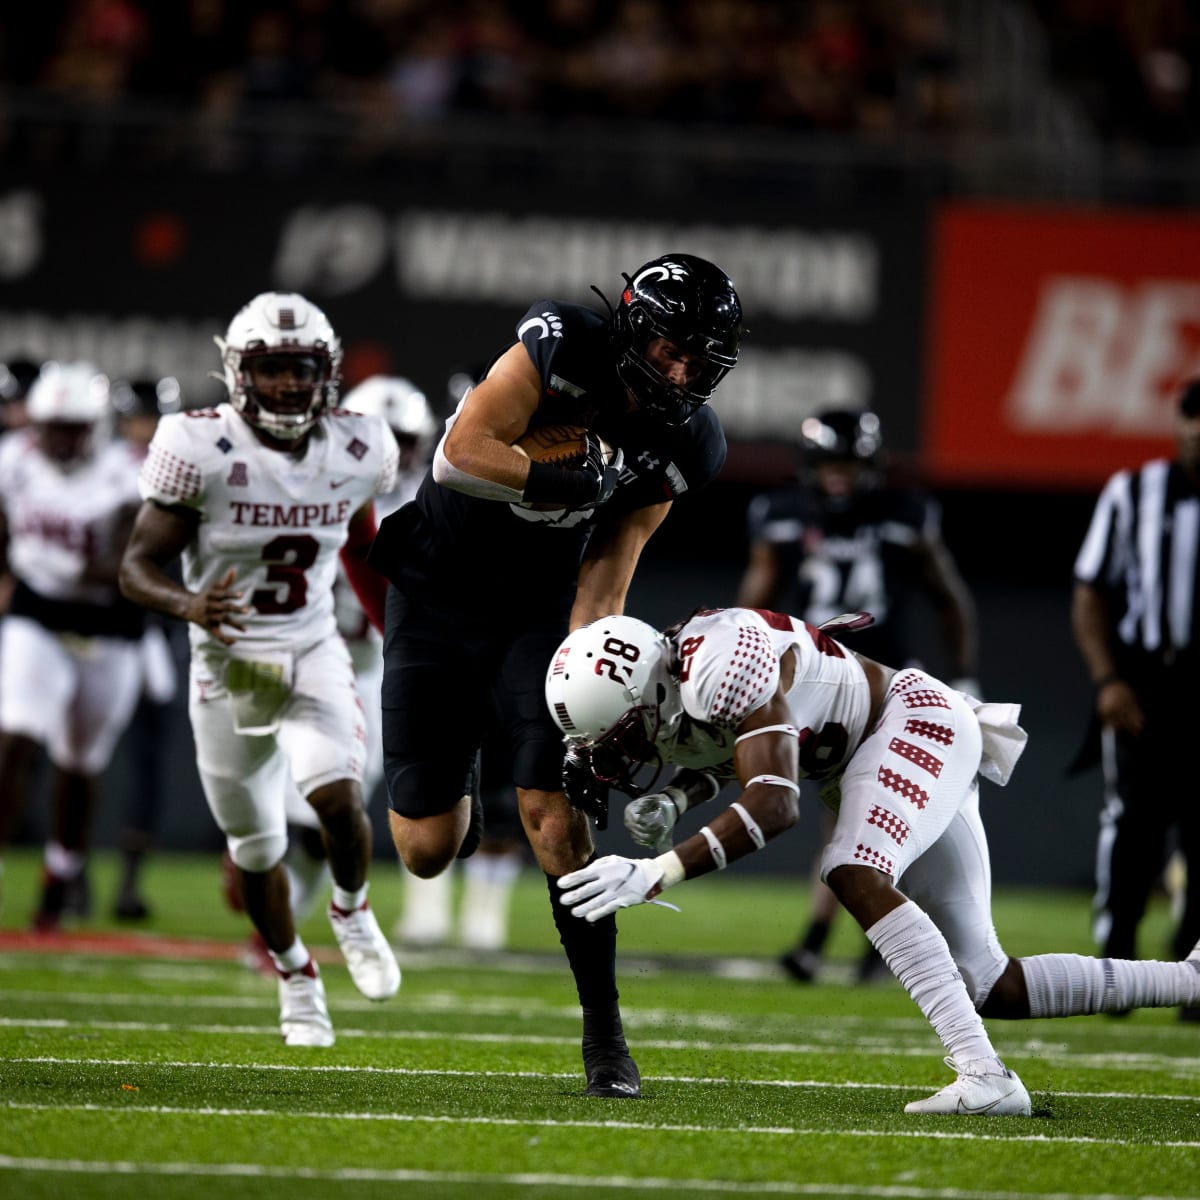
278	521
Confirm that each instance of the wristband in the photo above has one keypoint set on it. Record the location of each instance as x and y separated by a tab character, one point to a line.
1105	680
752	826
677	797
672	869
715	848
558	485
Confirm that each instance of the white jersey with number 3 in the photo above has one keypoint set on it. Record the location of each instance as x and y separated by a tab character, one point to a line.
278	521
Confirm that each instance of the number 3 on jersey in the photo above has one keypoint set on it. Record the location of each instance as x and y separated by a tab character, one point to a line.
288	557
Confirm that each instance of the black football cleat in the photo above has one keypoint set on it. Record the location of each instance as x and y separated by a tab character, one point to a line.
611	1073
801	964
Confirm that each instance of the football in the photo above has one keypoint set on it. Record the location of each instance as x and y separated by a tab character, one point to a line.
557	445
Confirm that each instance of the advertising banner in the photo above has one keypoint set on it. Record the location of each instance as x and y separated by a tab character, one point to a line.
1058	342
421	283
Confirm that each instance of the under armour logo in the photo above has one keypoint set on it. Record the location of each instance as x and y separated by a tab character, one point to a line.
648	460
238	476
549	323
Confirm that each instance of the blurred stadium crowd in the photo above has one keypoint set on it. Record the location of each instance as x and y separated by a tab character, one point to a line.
866	68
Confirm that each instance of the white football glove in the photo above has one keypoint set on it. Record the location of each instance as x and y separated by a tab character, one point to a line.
650	820
610	883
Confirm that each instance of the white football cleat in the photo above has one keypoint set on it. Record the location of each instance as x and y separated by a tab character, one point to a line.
985	1087
368	956
303	1014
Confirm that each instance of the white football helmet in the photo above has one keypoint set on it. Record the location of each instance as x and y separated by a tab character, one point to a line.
403	406
611	690
272	325
70	393
69	407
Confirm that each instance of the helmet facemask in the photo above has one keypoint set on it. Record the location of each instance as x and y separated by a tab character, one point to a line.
282	364
631	744
287	410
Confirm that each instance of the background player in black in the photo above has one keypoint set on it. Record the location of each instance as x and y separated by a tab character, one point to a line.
1135	620
847	539
486	587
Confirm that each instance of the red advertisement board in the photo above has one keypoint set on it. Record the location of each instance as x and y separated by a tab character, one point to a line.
1058	342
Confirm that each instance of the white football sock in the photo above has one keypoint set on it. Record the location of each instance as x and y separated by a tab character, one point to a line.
1071	985
291	959
350	901
487	894
426	916
916	953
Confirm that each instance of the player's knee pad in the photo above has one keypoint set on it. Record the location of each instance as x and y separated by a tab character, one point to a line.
258	851
427	788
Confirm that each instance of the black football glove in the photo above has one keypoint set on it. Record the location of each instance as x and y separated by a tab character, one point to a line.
583	790
603	477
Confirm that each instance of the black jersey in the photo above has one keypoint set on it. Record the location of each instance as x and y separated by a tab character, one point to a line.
859	555
486	556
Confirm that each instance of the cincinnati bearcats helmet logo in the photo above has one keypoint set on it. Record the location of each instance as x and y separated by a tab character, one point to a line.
659	272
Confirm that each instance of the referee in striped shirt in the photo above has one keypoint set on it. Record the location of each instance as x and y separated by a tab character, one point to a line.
1136	622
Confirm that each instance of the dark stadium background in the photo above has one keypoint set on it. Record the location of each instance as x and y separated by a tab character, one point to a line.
424	171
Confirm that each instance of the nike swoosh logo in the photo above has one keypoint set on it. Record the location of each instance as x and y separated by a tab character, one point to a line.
970	1109
337	483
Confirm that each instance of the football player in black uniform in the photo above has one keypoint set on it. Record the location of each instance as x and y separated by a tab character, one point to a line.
848	540
486	585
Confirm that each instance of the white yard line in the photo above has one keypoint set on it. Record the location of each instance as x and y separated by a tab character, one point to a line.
441	1072
920	1047
621	1183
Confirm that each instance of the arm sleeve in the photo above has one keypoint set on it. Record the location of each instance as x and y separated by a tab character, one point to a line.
369	586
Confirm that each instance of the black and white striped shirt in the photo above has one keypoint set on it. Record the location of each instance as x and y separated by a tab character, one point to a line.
1142	549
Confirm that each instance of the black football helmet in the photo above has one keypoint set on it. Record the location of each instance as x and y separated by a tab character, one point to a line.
690	302
841	435
17	376
147	397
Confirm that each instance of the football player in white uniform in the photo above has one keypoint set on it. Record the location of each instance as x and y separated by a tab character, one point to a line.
260	496
69	663
772	700
407	412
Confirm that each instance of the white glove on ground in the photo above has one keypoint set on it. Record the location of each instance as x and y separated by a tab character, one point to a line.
610	883
650	820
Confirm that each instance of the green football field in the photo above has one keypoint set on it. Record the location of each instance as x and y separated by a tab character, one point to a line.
150	1064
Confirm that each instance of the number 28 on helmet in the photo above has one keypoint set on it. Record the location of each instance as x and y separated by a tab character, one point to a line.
611	691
